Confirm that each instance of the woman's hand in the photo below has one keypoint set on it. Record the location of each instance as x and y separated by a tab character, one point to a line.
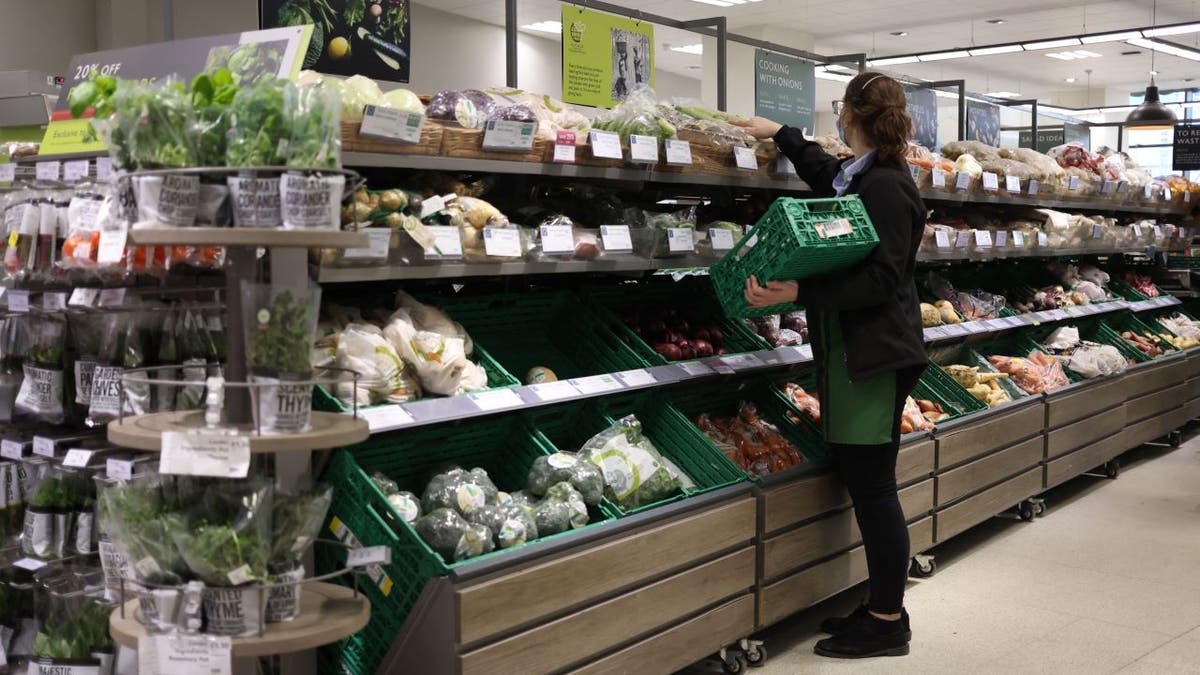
774	293
759	127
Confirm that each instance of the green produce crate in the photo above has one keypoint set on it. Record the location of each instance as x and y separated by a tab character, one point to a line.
1019	345
1127	291
963	355
611	302
1158	316
1116	324
793	240
937	385
498	378
555	330
505	446
1093	330
569	427
723	399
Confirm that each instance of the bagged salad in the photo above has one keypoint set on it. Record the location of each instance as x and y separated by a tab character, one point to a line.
635	474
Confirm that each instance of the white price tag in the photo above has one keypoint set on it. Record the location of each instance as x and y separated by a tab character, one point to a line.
502	242
1166	194
508	136
934	333
721	239
54	302
48	171
564	147
679	153
680	240
643	149
941	238
43	446
636	378
956	329
18	301
111	297
1073	183
1001	238
983	239
1097	231
1018	239
447	242
30	564
385	417
104	170
178	654
432	205
10	449
962	181
914	171
558	239
496	399
963	239
119	469
75	170
1012	184
991	182
1043	240
392	124
78	458
597	384
1108	187
1014	321
1148	192
938	178
1157	236
369	555
745	159
740	361
616	238
554	391
204	454
83	297
112	246
695	368
1033	187
379	240
8	172
605	145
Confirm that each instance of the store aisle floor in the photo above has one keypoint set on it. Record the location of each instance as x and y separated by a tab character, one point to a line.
1105	582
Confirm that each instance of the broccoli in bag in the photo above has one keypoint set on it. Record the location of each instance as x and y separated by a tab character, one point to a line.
461	490
452	537
567	494
510	524
634	471
566	467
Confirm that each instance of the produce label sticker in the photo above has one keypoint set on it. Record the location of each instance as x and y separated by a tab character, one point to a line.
178	654
991	182
939	178
557	238
606	145
509	136
616	238
75	170
385	417
680	240
564	147
638	377
679	153
48	171
744	158
112	246
447	242
1018	239
53	302
721	239
1073	183
502	242
204	454
10	449
597	384
104	169
962	181
963	240
497	399
119	469
78	458
983	238
8	172
18	301
643	149
834	228
379	239
111	297
1001	238
553	391
369	555
83	297
942	239
695	368
1012	184
44	446
1033	187
392	124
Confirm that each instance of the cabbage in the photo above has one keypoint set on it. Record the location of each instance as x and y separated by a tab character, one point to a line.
358	91
403	99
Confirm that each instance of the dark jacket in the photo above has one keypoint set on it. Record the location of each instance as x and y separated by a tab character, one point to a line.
876	300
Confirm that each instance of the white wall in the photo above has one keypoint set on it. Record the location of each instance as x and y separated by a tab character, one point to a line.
44	36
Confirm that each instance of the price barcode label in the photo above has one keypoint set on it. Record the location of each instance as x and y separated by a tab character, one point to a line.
983	239
497	399
639	377
43	446
502	242
18	301
48	171
554	391
963	181
1033	188
695	368
385	417
104	169
991	182
369	555
720	238
643	149
616	238
204	454
1012	184
75	170
83	297
1001	238
1018	239
1043	240
963	240
53	302
597	384
77	458
392	124
119	469
111	297
557	238
938	178
745	159
564	147
605	145
10	449
1073	183
509	136
941	239
8	172
679	153
679	240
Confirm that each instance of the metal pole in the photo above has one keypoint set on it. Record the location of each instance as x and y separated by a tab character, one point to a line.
962	110
722	64
510	42
1033	107
168	19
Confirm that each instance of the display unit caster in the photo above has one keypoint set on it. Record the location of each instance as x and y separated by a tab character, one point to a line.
732	661
754	651
1039	506
923	566
1175	438
1112	468
1026	511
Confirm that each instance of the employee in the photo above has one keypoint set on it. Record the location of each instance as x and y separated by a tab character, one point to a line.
865	323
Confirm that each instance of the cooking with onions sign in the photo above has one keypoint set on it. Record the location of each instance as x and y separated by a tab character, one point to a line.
784	89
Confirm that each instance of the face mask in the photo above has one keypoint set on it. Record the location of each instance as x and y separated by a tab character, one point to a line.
842	131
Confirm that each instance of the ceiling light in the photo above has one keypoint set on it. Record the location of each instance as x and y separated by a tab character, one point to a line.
1075	54
826	75
900	33
893	61
1064	56
718	3
1069	80
1167	48
838	66
995	22
1110	37
942	56
1173	30
1085	54
696	49
1003	94
545	27
1151	114
1051	44
1002	49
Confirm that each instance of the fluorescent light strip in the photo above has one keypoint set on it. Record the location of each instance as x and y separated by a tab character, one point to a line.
696	49
1111	37
1003	49
1164	48
1051	44
545	27
826	75
1003	94
1172	30
893	61
717	3
942	56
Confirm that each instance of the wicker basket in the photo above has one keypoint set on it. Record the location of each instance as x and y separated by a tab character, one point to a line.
430	143
460	142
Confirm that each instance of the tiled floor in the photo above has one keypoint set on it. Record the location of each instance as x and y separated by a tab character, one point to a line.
1108	581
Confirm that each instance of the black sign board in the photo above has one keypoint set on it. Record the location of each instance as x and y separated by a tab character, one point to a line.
1186	148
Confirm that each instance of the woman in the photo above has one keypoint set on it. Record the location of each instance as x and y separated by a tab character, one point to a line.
867	341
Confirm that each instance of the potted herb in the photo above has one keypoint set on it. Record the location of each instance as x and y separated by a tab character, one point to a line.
211	95
14	347
41	392
162	138
258	136
48	513
74	620
296	520
280	325
312	201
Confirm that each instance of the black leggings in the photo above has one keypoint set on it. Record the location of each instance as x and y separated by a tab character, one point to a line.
869	472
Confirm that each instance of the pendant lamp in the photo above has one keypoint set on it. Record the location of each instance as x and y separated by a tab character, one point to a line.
1151	114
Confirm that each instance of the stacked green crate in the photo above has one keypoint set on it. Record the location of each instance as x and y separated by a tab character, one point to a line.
1115	324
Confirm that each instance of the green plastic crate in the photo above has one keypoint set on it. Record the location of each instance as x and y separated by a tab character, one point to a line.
795	239
1094	330
937	385
1019	345
723	399
961	354
505	446
612	301
498	378
1125	290
1127	321
568	427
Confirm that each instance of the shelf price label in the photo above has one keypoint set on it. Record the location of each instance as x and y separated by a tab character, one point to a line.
963	239
680	240
44	446
636	378
204	454
1108	187
104	169
18	301
914	171
605	145
643	149
385	417
78	458
111	297
1012	184
1018	239
496	399
48	171
1097	231
679	153
557	238
962	181
553	391
10	449
1073	183
1001	238
616	238
369	555
695	368
391	124
564	147
83	297
379	240
784	166
119	469
447	242
8	172
502	242
938	177
178	654
75	170
54	302
1033	188
745	159
983	239
721	238
741	361
112	246
509	136
597	384
941	238
1042	240
991	182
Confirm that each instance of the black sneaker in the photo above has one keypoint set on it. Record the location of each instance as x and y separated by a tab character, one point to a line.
837	625
863	639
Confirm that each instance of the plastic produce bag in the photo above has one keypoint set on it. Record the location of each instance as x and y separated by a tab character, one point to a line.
14	348
229	538
547	470
405	503
140	523
452	537
637	115
383	376
634	474
314	128
461	490
1035	374
510	524
41	394
468	108
566	493
439	358
1092	360
1062	339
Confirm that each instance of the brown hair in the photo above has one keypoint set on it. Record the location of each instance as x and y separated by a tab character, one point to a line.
877	107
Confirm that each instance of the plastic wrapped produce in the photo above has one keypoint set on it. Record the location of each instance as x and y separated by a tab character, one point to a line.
983	386
750	441
978	151
469	108
967	164
552	115
1036	374
552	516
566	467
1047	168
512	113
634	474
383	376
638	115
452	537
510	524
577	509
440	362
807	403
461	490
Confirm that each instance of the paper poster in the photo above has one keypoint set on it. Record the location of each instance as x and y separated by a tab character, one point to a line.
1186	147
983	123
922	108
605	57
784	89
350	37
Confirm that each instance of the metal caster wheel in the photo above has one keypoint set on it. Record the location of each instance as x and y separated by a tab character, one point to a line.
1112	469
734	664
923	566
1039	509
1025	510
756	656
1175	438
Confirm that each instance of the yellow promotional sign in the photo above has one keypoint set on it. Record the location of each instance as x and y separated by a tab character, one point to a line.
604	57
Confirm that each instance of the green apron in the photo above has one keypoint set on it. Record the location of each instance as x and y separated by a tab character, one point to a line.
852	413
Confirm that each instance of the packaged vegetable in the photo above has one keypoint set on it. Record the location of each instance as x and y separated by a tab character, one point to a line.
548	470
750	441
227	541
1037	373
452	537
566	493
383	376
510	524
637	115
461	490
634	474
